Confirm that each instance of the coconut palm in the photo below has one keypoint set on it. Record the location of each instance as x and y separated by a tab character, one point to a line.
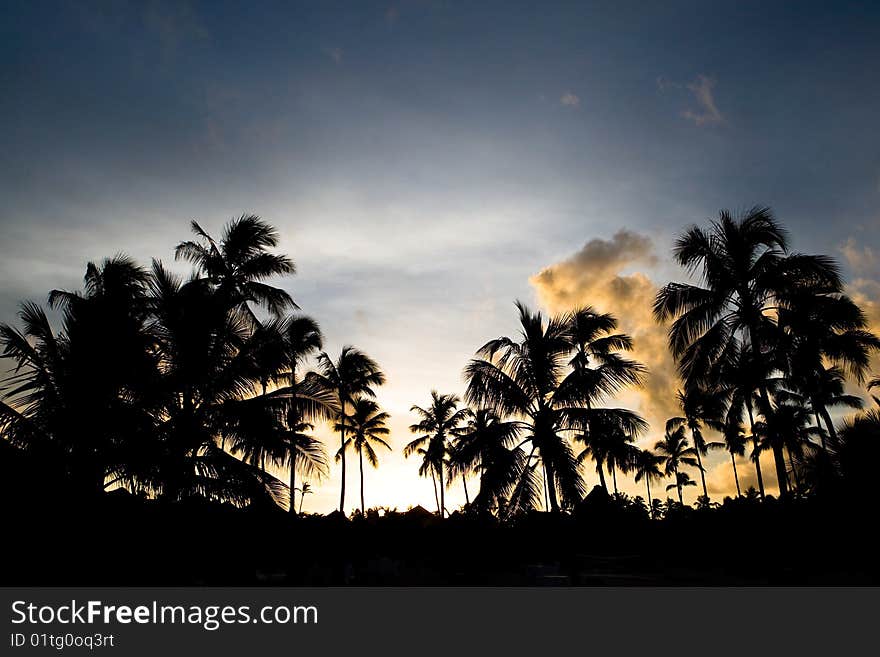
304	396
675	451
646	465
608	444
523	379
351	376
439	422
239	264
682	479
734	443
701	409
78	398
365	426
486	446
306	489
738	375
746	274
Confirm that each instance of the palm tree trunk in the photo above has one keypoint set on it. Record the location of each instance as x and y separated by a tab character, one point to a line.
442	493
678	485
467	500
342	453
302	497
650	501
700	464
757	458
602	476
546	491
436	497
778	456
551	488
614	477
829	424
291	447
735	475
361	463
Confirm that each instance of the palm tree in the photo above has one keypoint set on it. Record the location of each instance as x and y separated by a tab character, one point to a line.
675	451
438	423
75	396
738	375
306	456
608	444
734	442
682	479
524	379
240	263
366	426
746	272
486	446
352	375
305	397
647	466
791	433
824	389
700	408
305	490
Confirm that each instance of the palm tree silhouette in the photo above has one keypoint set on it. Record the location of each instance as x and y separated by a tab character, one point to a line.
438	423
701	408
682	479
734	442
486	446
240	263
532	379
352	375
366	426
305	490
306	398
675	451
608	444
646	465
746	272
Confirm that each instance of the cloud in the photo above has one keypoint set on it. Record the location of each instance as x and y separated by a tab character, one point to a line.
708	112
336	54
596	275
864	289
568	99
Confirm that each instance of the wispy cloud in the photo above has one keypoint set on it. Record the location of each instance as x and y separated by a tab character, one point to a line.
708	112
701	89
336	54
569	99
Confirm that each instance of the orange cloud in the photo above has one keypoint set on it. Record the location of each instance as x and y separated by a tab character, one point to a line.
596	276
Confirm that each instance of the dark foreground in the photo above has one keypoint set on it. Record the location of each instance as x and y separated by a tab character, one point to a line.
126	541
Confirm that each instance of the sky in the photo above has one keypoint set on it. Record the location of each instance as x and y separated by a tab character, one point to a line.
428	163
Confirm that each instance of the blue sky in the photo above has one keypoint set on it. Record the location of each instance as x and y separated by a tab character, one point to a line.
424	160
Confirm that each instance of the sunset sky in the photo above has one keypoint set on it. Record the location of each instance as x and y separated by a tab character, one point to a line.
427	163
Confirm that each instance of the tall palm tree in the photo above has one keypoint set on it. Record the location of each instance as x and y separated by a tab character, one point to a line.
823	389
439	422
525	379
682	479
738	375
486	446
646	465
734	443
746	273
351	376
305	397
701	408
305	455
365	425
675	451
240	262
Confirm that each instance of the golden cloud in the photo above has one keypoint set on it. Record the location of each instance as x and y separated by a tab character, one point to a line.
597	276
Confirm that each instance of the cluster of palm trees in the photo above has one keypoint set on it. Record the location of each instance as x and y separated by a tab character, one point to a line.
209	386
178	388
